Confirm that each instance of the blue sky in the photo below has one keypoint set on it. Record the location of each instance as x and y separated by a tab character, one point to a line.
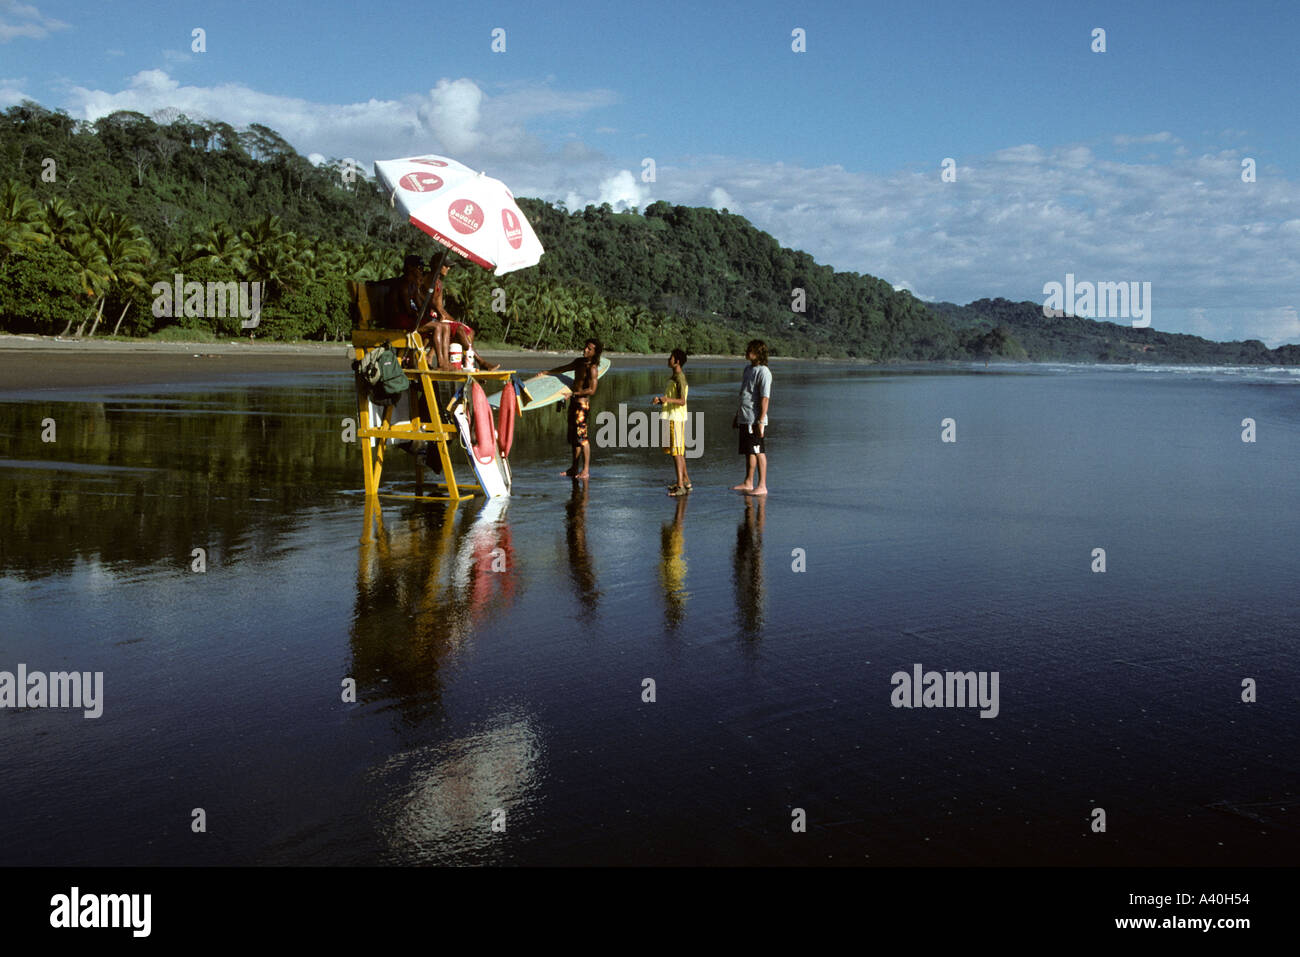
1115	166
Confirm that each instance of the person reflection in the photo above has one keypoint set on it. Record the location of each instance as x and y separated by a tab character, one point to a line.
581	569
672	567
747	568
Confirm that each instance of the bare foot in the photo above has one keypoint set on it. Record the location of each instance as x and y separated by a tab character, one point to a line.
759	491
583	475
742	488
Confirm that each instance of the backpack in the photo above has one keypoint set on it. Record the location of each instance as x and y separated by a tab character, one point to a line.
383	371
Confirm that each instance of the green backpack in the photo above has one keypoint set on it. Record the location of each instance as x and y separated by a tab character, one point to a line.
383	371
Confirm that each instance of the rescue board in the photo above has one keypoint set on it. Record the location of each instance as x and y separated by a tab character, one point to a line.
548	389
478	434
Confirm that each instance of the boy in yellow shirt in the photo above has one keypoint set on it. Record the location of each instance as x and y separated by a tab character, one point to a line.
674	413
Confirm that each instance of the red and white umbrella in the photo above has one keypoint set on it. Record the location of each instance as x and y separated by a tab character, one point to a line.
470	213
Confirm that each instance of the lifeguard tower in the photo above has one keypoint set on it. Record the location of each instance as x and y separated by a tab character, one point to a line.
378	427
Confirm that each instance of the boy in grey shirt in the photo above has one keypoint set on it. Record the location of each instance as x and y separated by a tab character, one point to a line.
751	418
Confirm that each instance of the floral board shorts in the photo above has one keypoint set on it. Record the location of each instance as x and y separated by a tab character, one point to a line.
578	409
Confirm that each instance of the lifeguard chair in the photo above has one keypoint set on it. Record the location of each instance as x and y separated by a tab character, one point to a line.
378	426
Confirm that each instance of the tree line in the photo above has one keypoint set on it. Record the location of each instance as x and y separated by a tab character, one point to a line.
96	214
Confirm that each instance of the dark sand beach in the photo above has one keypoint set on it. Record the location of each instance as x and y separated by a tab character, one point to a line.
499	649
42	363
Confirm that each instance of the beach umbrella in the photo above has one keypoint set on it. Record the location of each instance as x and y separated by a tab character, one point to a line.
467	211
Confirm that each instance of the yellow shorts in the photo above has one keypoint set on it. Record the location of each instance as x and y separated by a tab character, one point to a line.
676	439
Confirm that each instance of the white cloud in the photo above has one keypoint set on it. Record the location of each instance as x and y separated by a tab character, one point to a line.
11	93
1162	137
456	117
622	191
904	286
1027	215
1274	326
23	20
1027	153
452	112
524	102
719	198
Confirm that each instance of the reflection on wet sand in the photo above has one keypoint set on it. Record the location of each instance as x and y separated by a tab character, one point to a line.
451	802
672	567
747	568
426	582
581	569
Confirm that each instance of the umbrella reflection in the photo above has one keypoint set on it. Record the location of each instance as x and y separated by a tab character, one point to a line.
747	568
672	567
442	801
426	581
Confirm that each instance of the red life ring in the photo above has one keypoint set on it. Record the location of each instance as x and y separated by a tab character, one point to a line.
506	419
485	441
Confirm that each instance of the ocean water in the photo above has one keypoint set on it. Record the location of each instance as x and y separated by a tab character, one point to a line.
597	673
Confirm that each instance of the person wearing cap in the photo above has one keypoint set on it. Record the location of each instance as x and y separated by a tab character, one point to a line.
406	293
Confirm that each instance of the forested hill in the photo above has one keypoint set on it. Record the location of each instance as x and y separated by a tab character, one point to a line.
92	215
716	267
1076	339
95	214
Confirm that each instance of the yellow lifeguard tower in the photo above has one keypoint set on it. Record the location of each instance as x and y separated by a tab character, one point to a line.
374	432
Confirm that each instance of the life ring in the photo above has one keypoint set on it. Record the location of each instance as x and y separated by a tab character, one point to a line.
506	419
485	441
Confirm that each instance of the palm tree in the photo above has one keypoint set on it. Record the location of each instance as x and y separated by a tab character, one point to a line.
92	271
518	302
61	222
273	265
126	254
20	219
375	263
221	243
261	234
330	259
178	257
474	289
95	217
550	307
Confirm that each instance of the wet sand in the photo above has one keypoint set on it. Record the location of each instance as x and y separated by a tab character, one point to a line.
39	364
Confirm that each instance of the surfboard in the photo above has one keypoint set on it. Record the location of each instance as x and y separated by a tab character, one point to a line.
549	389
